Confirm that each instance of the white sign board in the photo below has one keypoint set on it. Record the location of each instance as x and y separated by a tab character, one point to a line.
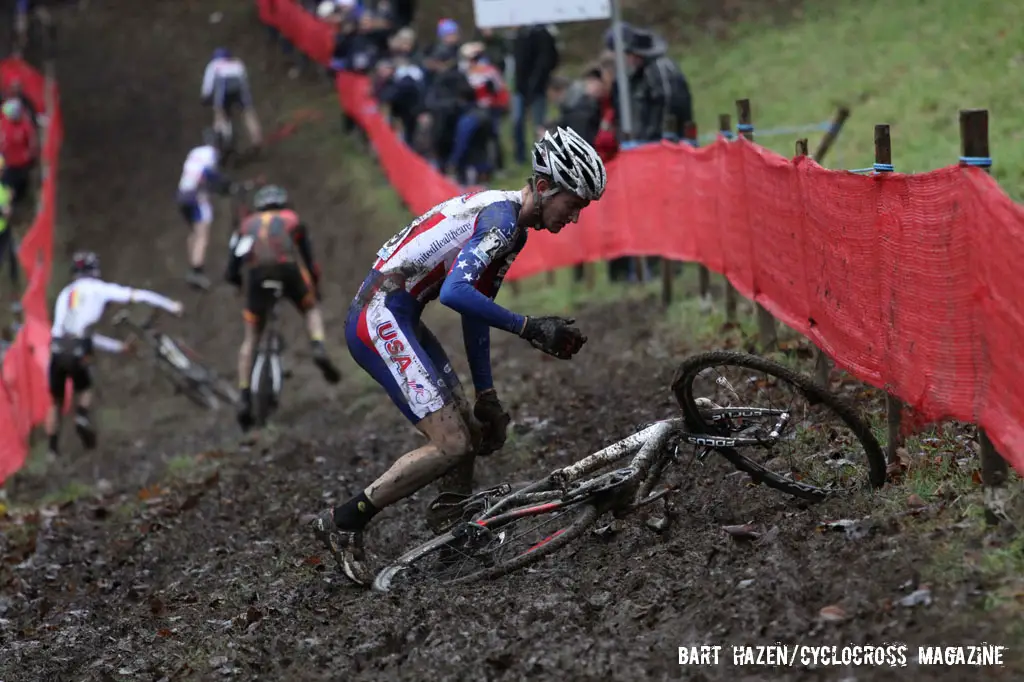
502	13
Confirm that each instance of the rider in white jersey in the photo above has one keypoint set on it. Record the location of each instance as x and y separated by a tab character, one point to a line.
79	307
226	86
200	176
459	252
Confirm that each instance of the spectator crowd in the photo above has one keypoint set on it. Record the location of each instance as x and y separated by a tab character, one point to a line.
448	94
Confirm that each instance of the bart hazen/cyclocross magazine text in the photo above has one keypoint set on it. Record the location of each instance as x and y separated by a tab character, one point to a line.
895	655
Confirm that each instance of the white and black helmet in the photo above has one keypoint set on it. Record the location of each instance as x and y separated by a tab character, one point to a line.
571	163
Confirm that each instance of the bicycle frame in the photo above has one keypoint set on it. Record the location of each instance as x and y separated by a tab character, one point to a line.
163	346
648	447
268	347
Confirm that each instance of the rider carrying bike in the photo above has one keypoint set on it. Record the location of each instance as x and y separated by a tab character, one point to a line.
226	87
79	307
459	251
268	246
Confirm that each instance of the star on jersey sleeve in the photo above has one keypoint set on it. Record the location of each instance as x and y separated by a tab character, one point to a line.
472	283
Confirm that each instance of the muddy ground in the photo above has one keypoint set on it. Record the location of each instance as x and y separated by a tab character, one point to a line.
188	561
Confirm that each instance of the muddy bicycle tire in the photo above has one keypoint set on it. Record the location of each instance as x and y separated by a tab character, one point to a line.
194	390
682	388
587	514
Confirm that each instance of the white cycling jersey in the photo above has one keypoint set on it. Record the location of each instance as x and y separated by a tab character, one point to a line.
423	253
81	303
199	162
231	67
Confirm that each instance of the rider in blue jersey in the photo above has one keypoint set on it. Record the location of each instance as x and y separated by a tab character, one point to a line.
459	251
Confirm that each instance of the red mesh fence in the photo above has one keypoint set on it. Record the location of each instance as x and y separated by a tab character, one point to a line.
24	397
909	282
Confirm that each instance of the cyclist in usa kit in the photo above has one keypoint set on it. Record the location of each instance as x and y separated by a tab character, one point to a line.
459	251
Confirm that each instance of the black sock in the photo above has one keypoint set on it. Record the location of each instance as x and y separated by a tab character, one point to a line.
198	269
53	442
355	514
82	411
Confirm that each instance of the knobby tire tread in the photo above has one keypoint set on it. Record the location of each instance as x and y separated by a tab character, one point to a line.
682	388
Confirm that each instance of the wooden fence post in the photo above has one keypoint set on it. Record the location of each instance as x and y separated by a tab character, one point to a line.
703	274
893	406
731	295
842	113
668	266
822	363
822	367
974	151
766	332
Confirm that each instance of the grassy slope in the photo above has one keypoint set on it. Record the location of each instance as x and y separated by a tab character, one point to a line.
911	64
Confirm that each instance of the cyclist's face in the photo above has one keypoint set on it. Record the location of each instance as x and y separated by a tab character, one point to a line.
560	210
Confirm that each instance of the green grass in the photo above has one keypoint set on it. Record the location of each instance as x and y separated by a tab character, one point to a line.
911	64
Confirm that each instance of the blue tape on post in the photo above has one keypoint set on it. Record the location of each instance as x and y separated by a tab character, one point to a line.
977	161
728	134
883	168
745	127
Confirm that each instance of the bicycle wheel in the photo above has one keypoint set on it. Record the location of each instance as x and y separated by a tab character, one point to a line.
223	389
194	390
488	549
262	389
826	447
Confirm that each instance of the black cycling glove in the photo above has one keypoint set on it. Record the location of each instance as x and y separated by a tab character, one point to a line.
554	335
494	419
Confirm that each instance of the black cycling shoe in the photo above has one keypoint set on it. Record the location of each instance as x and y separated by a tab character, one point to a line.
327	368
85	431
244	414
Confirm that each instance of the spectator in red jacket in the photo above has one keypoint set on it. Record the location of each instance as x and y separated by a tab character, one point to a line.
19	146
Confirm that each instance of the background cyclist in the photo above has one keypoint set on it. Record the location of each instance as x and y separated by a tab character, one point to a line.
274	244
225	88
200	175
78	309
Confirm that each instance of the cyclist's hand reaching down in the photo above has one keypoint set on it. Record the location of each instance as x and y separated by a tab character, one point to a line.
493	420
554	335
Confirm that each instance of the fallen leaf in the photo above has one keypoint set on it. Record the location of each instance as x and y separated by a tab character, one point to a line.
312	560
163	632
976	477
149	492
832	614
915	501
742	532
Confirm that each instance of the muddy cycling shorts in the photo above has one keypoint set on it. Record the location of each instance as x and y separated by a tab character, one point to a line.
231	92
389	341
194	209
69	360
296	286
